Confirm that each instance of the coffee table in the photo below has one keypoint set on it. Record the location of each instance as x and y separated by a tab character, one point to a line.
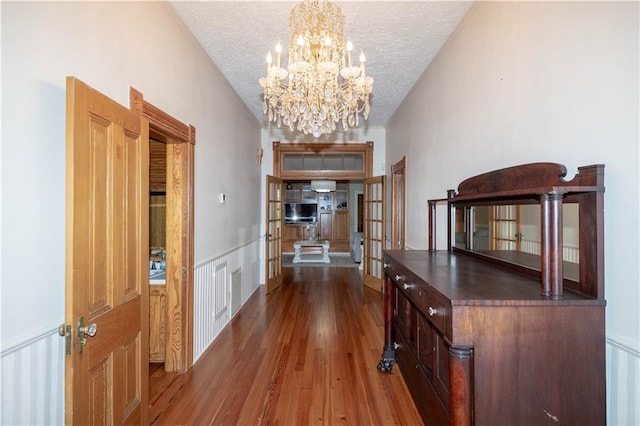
302	256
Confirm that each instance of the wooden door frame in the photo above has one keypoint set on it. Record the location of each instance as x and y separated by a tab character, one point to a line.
181	140
399	204
363	148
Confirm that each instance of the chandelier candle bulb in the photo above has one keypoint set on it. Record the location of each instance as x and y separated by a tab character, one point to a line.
349	49
279	52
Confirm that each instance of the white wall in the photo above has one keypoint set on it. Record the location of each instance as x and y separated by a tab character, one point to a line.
110	46
521	82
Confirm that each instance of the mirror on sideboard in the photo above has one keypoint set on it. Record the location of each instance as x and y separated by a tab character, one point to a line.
530	219
512	233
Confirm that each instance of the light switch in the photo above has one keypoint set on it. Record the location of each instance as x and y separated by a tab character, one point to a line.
222	198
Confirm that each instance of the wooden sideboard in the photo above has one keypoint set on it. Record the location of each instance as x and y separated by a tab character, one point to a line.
482	340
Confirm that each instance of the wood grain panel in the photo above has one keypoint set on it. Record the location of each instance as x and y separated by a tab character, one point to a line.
128	393
177	291
132	224
157	166
157	306
99	147
99	393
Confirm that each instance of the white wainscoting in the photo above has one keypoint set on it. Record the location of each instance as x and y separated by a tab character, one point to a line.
33	381
221	285
623	385
569	254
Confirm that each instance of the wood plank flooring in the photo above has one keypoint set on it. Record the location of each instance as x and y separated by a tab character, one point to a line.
304	355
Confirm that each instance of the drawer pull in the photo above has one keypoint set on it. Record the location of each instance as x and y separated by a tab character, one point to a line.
432	311
405	286
386	265
397	277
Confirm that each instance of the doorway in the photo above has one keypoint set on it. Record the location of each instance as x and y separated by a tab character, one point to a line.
398	204
171	168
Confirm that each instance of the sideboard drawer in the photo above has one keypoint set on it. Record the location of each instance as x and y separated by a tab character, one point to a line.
433	306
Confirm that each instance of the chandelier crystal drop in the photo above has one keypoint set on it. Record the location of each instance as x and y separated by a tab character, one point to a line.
324	87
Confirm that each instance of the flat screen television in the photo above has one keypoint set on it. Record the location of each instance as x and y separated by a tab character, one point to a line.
300	212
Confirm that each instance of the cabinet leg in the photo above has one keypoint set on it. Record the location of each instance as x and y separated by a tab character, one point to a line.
388	359
389	348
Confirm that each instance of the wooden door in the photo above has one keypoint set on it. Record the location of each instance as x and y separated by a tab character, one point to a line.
374	232
273	246
398	204
107	241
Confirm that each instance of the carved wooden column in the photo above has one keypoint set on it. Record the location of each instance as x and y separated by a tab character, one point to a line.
461	386
451	193
432	224
469	226
551	242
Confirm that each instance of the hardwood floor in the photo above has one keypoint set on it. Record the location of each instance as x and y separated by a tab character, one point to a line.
162	388
306	354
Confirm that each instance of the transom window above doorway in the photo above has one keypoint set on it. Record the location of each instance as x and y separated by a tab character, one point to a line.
308	161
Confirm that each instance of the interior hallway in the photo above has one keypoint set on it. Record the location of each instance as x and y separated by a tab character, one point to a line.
306	354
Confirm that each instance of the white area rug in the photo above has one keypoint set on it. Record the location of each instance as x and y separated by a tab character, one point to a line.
338	260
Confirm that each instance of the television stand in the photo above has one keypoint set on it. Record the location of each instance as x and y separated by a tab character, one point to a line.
299	251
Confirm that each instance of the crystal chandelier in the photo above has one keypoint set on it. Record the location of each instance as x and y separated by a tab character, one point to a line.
324	87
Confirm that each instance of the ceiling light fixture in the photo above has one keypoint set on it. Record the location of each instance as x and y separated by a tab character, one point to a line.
323	185
324	87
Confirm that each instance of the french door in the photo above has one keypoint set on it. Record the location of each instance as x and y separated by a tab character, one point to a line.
273	240
374	232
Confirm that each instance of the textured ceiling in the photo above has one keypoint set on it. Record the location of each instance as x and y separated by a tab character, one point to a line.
399	39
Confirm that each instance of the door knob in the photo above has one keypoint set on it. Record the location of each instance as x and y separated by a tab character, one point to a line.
89	330
83	331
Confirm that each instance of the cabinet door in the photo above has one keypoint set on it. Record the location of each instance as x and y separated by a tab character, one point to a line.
293	192
433	355
341	226
404	317
426	346
441	378
326	226
325	202
291	233
307	193
341	197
